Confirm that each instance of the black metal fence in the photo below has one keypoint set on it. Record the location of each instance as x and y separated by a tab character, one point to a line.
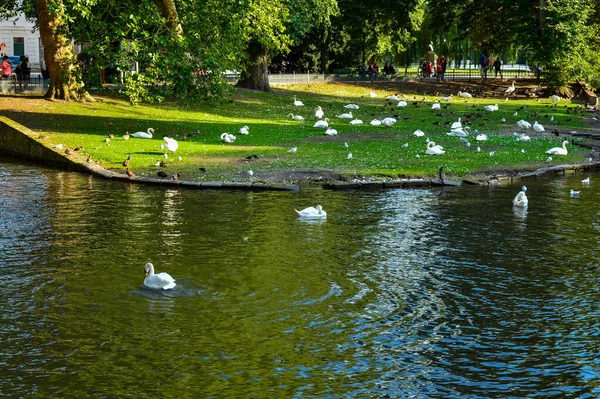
34	83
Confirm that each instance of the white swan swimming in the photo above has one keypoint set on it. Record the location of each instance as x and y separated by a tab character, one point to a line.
297	103
559	150
322	123
586	181
143	135
312	212
521	198
351	106
172	144
244	130
347	115
296	117
319	112
158	281
574	193
433	149
227	138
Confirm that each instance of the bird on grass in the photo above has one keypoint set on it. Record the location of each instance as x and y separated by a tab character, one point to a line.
293	149
143	135
129	172
297	103
244	130
559	150
319	112
125	136
161	174
296	117
511	88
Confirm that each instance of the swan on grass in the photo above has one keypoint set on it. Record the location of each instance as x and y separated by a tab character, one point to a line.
510	88
312	212
520	199
481	137
559	150
297	103
456	125
351	106
324	124
244	130
319	112
331	132
491	108
393	98
464	94
296	117
172	144
402	103
347	115
389	122
419	133
227	138
538	127
433	149
356	122
436	106
375	122
523	137
522	124
143	135
160	281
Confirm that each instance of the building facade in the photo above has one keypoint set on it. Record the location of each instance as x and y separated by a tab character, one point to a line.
20	37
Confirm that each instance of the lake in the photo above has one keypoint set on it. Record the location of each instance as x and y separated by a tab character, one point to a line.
422	293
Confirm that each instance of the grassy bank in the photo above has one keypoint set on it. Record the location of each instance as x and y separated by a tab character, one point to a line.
376	150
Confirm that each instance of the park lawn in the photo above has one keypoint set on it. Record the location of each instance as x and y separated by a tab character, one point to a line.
377	152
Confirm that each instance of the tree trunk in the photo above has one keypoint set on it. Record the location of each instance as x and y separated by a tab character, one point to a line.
169	11
256	75
58	53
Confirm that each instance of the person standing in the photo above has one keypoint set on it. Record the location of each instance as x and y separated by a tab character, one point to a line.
482	61
6	67
497	70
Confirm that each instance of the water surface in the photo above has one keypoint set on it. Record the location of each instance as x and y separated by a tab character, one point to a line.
424	293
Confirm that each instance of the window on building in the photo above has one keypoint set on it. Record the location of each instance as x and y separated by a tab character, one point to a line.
18	46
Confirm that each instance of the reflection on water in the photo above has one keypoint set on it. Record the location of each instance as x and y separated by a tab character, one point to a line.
404	293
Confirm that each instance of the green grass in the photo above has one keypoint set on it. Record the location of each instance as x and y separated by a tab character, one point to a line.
377	151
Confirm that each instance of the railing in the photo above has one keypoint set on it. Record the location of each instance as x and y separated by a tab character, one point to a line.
34	84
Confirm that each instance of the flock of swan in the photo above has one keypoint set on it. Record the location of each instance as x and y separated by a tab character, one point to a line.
522	201
457	129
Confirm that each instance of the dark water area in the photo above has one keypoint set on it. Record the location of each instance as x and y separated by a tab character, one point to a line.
425	293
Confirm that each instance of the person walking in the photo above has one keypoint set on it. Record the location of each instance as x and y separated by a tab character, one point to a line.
6	67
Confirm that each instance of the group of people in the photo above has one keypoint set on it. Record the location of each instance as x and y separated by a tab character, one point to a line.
427	69
23	69
388	68
488	62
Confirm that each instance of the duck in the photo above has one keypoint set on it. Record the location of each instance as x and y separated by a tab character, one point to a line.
464	94
375	122
331	132
347	115
126	161
312	212
143	135
433	149
491	108
297	103
324	124
351	106
227	138
538	127
319	112
125	136
389	122
244	130
296	117
559	150
171	144
510	88
481	137
356	122
521	198
419	133
160	281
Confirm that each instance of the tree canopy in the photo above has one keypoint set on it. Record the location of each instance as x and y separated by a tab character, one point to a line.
180	48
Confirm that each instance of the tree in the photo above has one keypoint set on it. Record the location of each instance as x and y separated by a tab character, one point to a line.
274	25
